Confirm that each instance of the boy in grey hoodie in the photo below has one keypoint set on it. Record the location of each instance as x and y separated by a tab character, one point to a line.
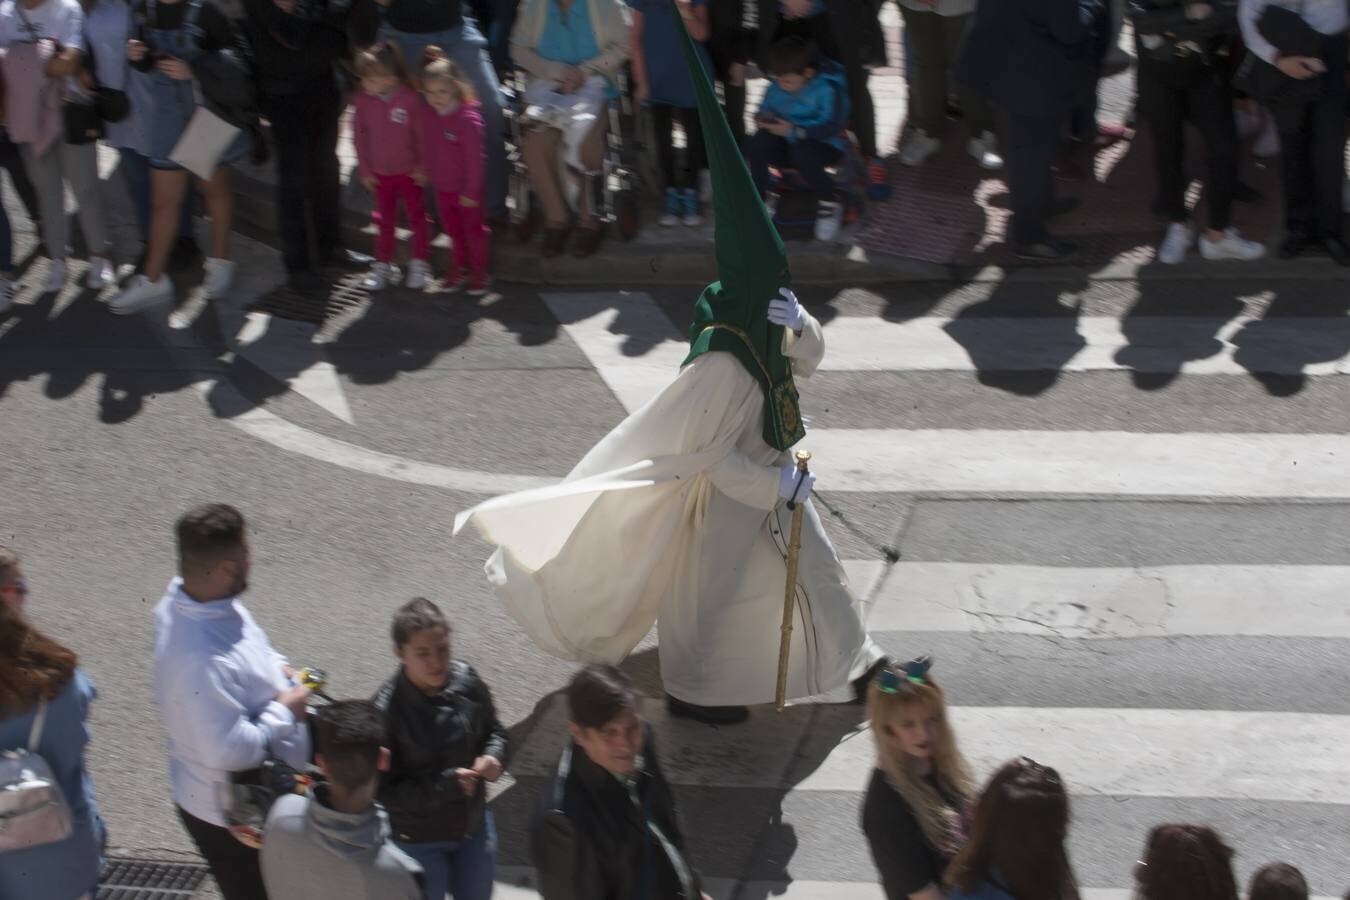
333	843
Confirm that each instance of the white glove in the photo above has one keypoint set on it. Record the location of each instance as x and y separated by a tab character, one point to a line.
787	311
791	482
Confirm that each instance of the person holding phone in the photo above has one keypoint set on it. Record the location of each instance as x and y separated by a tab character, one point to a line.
1312	124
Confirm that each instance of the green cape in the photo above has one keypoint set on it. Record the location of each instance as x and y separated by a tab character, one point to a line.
731	315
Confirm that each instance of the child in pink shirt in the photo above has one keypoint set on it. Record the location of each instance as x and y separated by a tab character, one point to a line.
387	133
453	155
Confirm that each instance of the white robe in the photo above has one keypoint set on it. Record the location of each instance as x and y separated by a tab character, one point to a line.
674	518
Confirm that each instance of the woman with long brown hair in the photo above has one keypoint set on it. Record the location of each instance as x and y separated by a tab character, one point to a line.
1016	847
1186	862
914	810
36	674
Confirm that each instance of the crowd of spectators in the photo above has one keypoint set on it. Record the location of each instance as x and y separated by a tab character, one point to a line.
275	79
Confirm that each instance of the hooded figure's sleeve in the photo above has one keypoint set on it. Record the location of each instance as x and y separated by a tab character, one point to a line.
806	350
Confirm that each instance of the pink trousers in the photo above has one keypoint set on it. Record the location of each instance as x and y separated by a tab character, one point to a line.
468	233
389	190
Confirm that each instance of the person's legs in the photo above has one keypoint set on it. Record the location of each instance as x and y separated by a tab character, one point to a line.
477	239
1031	145
762	150
434	858
1327	156
448	206
1296	166
219	193
592	155
1212	110
79	165
386	216
291	125
810	159
976	112
235	867
136	173
540	147
473	863
166	201
1164	108
663	125
6	243
470	54
12	162
928	89
695	153
45	174
414	206
325	181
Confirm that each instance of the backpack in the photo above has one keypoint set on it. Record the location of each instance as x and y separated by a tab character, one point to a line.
33	808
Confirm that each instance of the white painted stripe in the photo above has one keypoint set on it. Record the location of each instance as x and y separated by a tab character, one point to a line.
286	350
1081	463
515	883
1278	601
637	349
1264	756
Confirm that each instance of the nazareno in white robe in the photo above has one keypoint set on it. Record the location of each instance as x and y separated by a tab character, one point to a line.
674	518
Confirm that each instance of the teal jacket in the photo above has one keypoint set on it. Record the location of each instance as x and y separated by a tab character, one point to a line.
819	110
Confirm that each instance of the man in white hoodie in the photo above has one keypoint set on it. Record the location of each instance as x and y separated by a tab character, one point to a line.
333	844
228	700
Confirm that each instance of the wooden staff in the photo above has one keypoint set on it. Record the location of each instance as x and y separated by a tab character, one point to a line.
790	592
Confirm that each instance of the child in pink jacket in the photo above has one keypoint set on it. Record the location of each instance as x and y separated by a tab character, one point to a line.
388	135
453	155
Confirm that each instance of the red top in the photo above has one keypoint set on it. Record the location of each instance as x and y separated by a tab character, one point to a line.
452	149
387	132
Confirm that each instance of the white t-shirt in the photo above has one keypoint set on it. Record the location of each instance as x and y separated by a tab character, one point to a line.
59	19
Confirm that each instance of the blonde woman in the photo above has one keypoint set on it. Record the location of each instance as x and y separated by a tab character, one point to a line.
915	809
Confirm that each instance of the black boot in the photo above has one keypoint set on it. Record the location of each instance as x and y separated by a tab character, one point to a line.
708	715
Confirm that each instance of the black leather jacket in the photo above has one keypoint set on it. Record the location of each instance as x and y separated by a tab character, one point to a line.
430	737
588	841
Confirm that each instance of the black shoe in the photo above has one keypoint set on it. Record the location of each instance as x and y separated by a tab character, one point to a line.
1337	250
1245	193
1293	246
708	715
184	255
555	239
863	681
1050	250
308	284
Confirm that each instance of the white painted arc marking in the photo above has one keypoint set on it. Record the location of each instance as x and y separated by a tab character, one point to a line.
1176	753
512	880
1102	603
286	350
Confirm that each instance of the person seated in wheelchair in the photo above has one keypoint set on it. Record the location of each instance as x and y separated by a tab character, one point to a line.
571	52
802	127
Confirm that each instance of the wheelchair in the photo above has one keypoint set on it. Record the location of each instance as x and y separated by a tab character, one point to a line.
615	190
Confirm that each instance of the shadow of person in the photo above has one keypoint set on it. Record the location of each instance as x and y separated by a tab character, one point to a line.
1170	326
729	783
1024	334
1296	332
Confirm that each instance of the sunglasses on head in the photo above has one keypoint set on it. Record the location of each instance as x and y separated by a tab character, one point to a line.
891	678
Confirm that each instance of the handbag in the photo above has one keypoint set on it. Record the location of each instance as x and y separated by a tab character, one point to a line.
33	808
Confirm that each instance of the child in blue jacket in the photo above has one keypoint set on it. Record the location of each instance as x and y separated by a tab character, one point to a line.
802	126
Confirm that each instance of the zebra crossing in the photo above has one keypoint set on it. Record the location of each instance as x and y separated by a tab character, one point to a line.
1159	614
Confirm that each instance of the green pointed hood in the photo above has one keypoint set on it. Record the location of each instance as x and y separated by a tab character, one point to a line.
731	315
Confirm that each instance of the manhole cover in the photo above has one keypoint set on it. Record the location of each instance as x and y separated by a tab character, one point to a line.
144	879
341	297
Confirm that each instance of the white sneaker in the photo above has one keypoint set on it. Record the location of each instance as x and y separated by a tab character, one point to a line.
1174	245
1267	144
6	294
918	148
1231	246
380	276
419	274
141	294
218	276
829	215
101	274
56	277
984	149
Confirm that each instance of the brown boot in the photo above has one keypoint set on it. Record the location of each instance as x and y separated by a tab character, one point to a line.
589	239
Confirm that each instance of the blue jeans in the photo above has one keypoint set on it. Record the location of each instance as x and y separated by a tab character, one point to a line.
136	171
465	868
467	48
